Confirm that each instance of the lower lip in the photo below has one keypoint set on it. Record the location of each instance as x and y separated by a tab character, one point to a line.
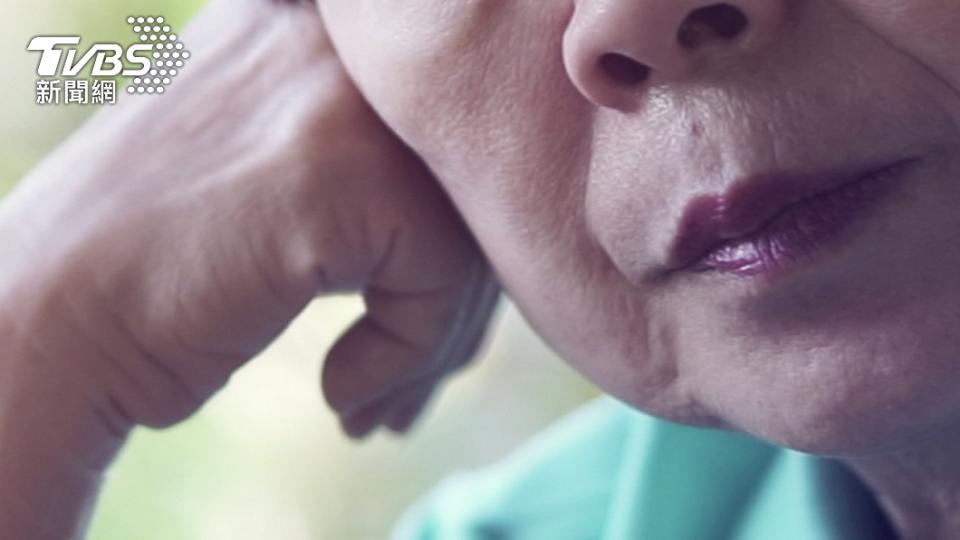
801	230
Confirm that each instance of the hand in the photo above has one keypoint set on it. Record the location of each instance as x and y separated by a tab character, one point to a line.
173	237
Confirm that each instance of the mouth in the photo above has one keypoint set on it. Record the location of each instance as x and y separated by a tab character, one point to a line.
771	223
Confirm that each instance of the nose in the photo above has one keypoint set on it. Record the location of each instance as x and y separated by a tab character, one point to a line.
613	48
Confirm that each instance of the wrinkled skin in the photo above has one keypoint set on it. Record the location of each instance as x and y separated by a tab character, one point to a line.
260	180
574	181
173	237
130	301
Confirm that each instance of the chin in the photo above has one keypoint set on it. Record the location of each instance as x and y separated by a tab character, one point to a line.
845	400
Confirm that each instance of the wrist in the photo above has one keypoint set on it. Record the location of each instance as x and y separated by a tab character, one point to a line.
55	444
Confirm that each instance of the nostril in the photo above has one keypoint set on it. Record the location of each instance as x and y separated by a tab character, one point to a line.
623	70
704	24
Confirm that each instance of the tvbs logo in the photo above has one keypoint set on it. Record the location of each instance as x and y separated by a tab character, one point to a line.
152	63
107	57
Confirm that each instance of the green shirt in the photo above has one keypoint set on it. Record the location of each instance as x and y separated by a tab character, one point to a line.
608	472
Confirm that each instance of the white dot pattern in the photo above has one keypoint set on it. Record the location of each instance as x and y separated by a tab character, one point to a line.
168	51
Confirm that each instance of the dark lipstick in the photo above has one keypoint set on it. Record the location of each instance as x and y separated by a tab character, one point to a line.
765	223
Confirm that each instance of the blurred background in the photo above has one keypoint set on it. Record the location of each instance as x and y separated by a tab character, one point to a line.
265	459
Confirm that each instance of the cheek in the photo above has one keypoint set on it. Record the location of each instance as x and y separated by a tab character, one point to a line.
500	124
431	68
926	30
510	138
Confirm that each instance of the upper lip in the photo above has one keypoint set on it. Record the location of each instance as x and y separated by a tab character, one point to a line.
711	220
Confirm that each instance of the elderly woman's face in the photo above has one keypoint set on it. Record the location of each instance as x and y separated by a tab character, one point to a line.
743	215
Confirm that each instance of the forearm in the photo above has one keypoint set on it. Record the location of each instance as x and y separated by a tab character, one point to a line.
54	447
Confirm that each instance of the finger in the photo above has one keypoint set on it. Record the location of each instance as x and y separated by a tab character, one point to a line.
477	328
402	337
408	410
363	421
367	361
407	338
421	297
397	410
413	401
